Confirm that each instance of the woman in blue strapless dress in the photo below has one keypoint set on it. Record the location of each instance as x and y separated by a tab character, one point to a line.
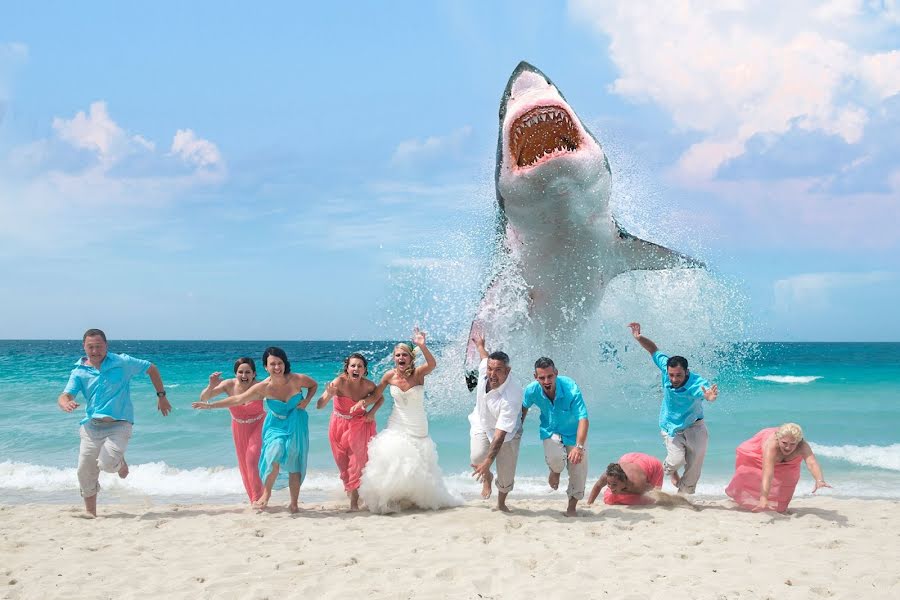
402	470
285	435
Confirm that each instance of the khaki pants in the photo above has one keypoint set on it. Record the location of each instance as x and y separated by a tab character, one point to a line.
505	463
103	447
687	449
557	456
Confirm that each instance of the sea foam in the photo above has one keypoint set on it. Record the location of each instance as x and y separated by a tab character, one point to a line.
881	457
788	378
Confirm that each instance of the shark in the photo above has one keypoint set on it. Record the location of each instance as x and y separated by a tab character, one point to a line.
559	242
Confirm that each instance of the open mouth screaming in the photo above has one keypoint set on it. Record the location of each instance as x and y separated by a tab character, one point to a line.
542	131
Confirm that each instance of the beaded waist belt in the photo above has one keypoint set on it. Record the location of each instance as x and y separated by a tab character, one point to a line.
248	421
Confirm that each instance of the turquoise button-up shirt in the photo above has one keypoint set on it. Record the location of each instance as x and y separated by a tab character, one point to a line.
107	390
560	415
681	407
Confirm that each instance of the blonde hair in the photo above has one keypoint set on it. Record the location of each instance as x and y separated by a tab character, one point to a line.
791	429
411	350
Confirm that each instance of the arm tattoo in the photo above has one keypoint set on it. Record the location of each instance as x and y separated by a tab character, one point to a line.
496	445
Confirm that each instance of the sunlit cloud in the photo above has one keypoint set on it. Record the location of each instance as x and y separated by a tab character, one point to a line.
733	70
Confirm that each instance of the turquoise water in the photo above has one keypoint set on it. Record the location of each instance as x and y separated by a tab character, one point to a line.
846	397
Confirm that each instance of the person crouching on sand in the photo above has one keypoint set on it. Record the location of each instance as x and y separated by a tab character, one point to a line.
350	430
628	480
767	468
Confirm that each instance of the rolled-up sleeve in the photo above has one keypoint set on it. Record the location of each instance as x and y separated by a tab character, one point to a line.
74	384
660	359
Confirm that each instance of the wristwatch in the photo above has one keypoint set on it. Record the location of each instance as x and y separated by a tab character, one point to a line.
161	394
580	446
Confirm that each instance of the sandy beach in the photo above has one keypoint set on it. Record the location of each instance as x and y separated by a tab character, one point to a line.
825	548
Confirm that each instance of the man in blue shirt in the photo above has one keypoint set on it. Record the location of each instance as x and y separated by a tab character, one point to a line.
105	381
681	414
564	427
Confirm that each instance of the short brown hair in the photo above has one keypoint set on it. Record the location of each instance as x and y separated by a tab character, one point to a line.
92	333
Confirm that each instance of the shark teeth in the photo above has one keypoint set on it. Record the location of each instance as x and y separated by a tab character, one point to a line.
541	132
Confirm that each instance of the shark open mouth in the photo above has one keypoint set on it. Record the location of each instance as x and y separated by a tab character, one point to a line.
542	131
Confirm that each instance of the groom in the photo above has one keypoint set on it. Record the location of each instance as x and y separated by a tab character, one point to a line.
495	430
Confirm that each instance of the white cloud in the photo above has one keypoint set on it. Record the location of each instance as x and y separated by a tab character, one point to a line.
812	290
431	147
741	68
93	175
195	151
881	72
97	132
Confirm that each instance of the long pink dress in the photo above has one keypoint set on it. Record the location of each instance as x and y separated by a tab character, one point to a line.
349	435
652	468
246	427
746	484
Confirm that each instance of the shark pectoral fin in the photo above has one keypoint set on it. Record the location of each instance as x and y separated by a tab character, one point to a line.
640	254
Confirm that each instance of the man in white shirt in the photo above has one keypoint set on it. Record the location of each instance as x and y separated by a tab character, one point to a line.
495	424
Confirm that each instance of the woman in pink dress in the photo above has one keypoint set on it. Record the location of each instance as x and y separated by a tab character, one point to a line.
350	430
628	480
246	421
767	468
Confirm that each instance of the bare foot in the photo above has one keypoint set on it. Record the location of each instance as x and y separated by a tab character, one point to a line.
486	486
501	502
674	478
90	505
123	470
354	500
263	501
553	480
294	508
570	511
501	506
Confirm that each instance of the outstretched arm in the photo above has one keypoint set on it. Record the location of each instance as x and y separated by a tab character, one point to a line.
256	392
430	363
598	487
645	342
768	472
813	465
479	344
484	468
377	395
162	403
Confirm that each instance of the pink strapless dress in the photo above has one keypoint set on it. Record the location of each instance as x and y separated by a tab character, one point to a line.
349	434
246	427
651	467
746	484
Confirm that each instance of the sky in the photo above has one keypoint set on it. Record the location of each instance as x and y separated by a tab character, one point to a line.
212	170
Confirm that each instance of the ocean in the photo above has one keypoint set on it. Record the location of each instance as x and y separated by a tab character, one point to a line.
846	396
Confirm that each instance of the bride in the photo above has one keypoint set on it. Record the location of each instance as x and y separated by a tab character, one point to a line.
402	470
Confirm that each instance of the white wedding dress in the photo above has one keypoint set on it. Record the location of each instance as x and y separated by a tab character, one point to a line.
402	470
